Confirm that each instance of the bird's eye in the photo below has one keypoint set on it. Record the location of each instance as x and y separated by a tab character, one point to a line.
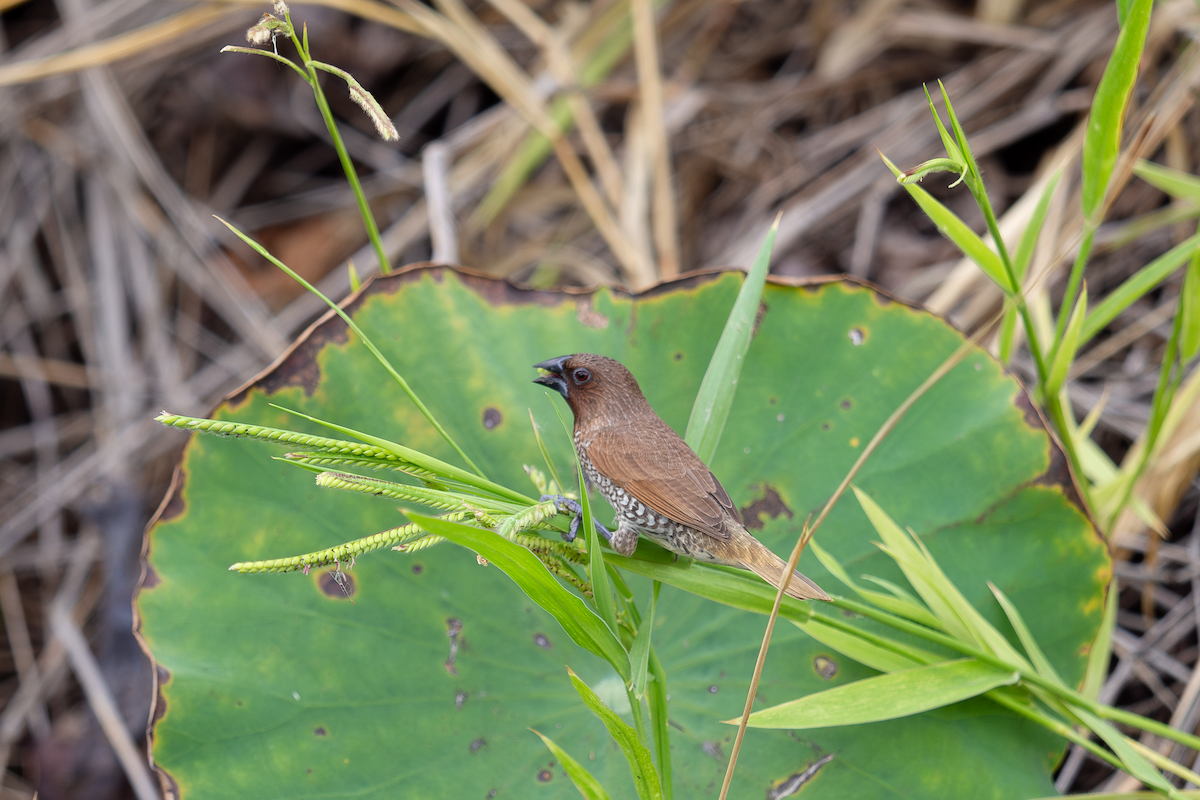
581	375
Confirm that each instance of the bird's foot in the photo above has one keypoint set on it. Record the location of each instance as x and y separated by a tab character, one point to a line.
568	506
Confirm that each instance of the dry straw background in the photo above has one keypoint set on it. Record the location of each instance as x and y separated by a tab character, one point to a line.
124	131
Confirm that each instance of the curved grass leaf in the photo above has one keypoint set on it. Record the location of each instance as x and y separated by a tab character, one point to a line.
1032	648
581	624
656	699
639	654
715	397
948	142
645	778
1135	286
1176	183
1134	762
601	588
957	231
898	694
1123	10
1064	355
587	785
1189	311
1103	137
1033	230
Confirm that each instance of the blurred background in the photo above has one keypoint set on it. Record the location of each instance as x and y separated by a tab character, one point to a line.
690	125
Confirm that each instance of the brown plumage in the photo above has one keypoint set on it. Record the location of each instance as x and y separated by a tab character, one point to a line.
656	484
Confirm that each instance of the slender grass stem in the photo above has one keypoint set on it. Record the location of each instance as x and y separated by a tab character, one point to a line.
338	145
387	365
348	167
993	226
1164	393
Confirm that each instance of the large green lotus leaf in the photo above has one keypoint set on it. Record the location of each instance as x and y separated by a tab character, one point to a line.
280	686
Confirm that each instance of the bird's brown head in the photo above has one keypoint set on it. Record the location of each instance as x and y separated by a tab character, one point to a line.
594	386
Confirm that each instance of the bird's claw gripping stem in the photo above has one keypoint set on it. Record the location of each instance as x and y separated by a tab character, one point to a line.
568	506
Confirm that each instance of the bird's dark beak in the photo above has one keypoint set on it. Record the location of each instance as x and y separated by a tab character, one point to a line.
555	379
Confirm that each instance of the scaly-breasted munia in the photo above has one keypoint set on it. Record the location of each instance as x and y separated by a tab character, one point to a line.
656	484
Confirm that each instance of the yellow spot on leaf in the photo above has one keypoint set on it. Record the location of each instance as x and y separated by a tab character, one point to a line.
854	441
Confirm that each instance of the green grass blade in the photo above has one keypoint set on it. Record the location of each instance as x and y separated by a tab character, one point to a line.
1033	230
387	365
587	785
580	623
948	142
1101	649
973	176
1135	286
1032	649
1179	185
891	696
639	654
656	699
864	652
1064	354
715	397
1106	120
537	434
1123	7
956	614
957	231
908	557
1189	311
1134	762
645	778
1008	329
601	588
960	136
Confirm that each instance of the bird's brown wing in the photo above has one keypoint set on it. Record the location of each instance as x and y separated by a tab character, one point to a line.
661	471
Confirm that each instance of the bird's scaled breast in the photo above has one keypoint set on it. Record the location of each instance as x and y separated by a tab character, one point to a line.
662	529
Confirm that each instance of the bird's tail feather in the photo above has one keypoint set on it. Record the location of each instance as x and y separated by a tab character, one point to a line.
770	567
